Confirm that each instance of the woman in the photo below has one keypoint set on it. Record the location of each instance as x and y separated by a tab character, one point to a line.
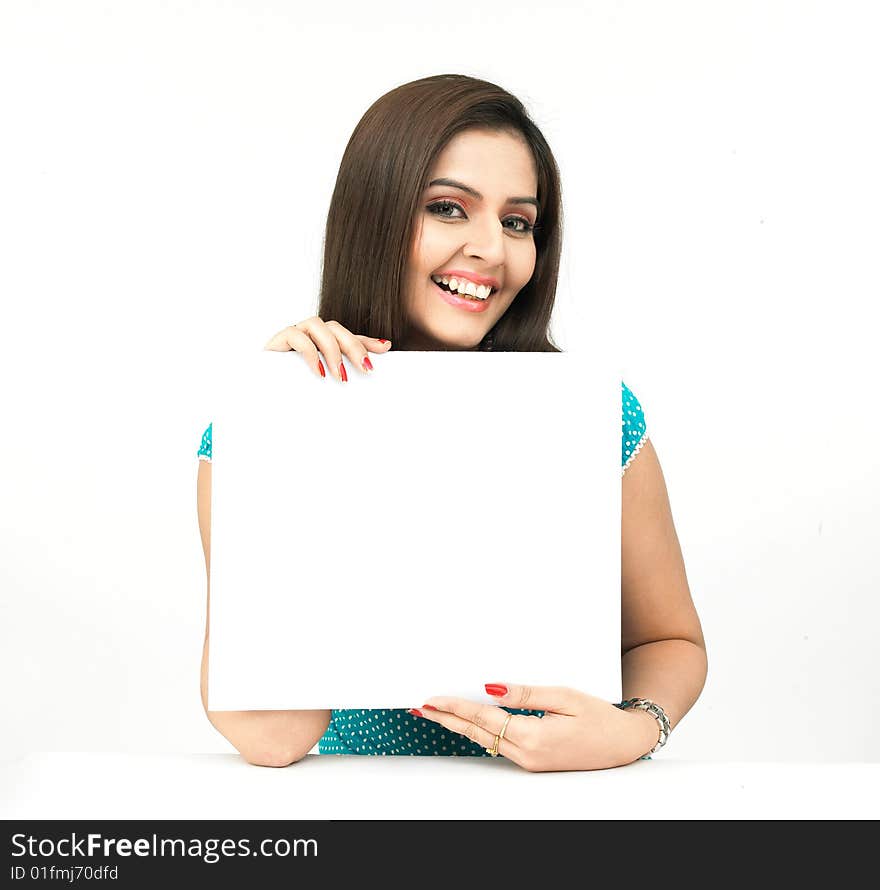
444	232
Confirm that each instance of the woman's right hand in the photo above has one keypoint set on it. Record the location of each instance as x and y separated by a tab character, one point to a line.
332	339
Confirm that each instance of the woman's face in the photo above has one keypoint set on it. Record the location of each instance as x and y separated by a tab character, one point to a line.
481	228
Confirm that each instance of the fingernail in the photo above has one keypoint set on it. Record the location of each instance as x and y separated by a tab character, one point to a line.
342	373
367	363
382	341
415	712
321	368
429	707
496	689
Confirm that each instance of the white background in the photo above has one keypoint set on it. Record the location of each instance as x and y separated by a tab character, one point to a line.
164	178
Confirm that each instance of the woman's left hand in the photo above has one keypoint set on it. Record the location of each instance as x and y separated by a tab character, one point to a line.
577	732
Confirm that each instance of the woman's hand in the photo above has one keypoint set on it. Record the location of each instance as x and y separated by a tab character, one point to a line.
577	732
332	339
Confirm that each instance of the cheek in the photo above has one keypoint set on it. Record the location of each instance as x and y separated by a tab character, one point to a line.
414	291
419	257
525	266
417	247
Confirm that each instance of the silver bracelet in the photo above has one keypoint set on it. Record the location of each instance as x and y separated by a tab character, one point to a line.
655	711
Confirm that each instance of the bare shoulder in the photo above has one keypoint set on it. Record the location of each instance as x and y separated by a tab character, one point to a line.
656	600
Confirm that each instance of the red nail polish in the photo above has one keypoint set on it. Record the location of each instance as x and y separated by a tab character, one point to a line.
430	707
367	363
382	341
415	712
496	689
342	373
321	368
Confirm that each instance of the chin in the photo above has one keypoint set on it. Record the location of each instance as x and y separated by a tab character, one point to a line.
467	342
457	339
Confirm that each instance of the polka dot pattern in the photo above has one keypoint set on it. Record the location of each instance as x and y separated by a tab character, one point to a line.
393	731
634	432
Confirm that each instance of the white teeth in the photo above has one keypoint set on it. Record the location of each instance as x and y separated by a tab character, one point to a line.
464	287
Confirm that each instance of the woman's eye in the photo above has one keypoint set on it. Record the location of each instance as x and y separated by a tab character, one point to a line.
525	225
444	208
440	206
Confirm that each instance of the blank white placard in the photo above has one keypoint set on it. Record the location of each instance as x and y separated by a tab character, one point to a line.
451	519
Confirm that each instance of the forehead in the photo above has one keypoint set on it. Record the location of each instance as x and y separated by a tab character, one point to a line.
490	161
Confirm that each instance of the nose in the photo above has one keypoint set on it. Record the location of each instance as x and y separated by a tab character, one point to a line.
486	241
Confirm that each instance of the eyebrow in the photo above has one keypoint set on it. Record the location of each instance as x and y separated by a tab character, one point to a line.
453	183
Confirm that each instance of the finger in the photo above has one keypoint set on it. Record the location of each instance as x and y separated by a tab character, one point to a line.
353	346
374	344
485	738
278	342
556	699
292	338
480	723
324	337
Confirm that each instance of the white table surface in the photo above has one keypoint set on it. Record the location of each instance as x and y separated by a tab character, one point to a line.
102	785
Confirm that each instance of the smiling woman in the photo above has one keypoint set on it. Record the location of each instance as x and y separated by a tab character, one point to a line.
444	176
444	233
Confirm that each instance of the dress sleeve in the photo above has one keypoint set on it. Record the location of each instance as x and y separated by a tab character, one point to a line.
634	432
204	452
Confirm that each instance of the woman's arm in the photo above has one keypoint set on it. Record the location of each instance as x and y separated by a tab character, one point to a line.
264	738
663	653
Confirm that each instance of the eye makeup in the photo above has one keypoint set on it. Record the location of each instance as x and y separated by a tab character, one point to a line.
441	207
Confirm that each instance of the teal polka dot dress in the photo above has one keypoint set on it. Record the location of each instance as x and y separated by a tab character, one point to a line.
394	731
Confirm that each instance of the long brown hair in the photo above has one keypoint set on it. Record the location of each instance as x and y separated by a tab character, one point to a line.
376	201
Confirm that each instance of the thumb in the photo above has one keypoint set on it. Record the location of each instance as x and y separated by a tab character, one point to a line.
556	699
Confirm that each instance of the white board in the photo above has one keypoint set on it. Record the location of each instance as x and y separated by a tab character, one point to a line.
452	519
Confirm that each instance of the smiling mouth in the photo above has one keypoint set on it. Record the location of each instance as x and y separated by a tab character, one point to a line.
473	305
464	296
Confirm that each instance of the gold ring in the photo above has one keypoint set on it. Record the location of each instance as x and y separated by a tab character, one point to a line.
493	751
504	727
